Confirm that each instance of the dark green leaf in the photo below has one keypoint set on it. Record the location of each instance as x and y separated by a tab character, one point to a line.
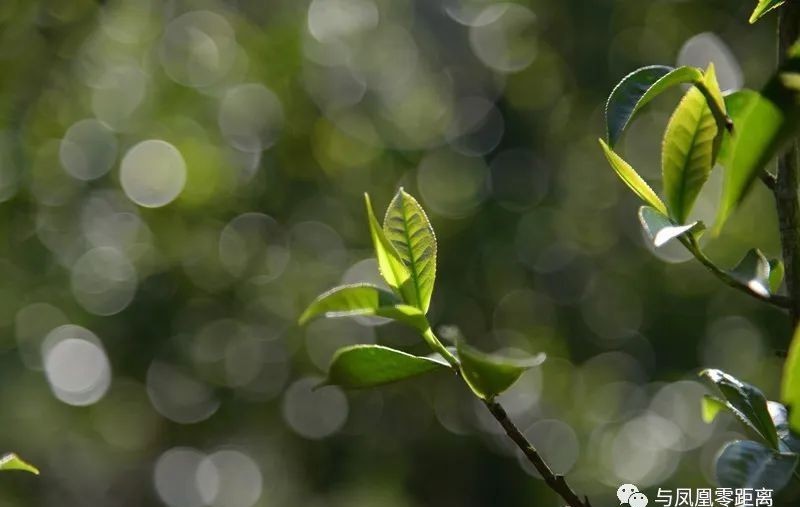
748	400
13	462
489	375
753	270
712	406
661	229
632	179
390	264
361	366
747	464
407	227
780	418
638	88
763	7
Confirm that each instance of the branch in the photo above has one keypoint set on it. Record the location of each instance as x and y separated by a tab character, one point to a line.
773	299
786	184
556	482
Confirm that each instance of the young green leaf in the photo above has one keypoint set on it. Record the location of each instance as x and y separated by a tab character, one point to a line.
775	275
660	228
632	179
11	461
745	151
407	228
748	400
489	375
389	262
362	366
349	300
638	88
790	383
763	7
363	299
710	407
754	271
748	464
687	153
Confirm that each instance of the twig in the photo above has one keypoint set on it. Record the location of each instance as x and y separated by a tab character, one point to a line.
773	299
556	482
785	190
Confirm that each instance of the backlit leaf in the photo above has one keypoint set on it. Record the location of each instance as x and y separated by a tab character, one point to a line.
687	153
763	7
632	179
11	461
391	266
488	374
362	366
407	228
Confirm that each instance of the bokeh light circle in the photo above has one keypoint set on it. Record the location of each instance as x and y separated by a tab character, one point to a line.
153	173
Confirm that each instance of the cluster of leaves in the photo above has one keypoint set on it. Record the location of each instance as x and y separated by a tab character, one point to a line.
770	459
405	248
743	131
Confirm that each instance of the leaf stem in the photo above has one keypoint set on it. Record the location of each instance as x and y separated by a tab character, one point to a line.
785	190
694	248
555	482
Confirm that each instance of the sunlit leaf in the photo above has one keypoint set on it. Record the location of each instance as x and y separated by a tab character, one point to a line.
775	275
660	228
765	122
748	464
638	88
687	153
407	228
349	300
13	462
790	383
710	407
763	7
391	266
748	148
488	374
363	299
632	179
362	366
748	400
754	271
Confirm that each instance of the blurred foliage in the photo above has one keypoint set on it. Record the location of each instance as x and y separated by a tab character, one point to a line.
180	179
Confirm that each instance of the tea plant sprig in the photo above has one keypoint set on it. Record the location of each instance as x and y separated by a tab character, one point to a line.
405	248
743	131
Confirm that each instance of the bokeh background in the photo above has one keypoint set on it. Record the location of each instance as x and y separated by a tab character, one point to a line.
180	178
